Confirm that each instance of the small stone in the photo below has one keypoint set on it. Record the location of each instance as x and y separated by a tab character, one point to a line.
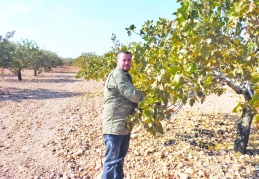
189	171
180	165
80	152
136	152
183	176
160	154
98	164
201	173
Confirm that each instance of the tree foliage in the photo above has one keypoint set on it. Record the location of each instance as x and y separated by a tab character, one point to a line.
209	43
68	61
26	54
98	67
6	49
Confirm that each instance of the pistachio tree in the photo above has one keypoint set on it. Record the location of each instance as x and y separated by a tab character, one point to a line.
7	49
208	44
29	55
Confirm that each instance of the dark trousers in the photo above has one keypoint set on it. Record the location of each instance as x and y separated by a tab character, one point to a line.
116	150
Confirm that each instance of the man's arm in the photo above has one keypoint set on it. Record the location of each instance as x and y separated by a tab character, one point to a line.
126	88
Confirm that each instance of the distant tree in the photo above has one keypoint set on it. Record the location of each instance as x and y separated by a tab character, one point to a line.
95	67
82	60
50	60
27	55
98	67
6	50
68	61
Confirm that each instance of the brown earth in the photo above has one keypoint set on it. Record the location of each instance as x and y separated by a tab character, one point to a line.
51	128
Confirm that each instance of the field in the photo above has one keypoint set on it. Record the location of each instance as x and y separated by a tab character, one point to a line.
51	128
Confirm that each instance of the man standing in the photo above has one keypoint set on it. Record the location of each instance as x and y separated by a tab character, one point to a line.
120	100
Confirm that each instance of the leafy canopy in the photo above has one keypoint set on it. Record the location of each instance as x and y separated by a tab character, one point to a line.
181	56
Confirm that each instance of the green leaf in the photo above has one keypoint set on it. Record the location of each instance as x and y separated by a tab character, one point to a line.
141	104
205	52
195	14
239	107
256	119
173	70
160	129
148	113
207	82
192	101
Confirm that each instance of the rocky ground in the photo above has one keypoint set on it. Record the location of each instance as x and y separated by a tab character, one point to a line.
51	128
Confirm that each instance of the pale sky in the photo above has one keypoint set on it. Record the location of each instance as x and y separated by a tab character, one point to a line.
71	27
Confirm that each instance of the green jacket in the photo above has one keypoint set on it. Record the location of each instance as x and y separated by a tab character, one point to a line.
120	100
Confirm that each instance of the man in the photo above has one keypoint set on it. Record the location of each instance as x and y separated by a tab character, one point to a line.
120	100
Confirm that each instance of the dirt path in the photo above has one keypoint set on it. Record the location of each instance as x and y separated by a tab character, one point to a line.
51	128
32	112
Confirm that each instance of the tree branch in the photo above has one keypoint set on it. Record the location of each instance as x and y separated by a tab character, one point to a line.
257	41
239	86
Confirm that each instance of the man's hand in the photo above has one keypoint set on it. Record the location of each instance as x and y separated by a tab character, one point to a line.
139	110
130	126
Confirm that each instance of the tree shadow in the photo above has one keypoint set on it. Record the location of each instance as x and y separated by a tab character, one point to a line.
7	76
45	80
18	95
68	72
219	140
201	140
255	174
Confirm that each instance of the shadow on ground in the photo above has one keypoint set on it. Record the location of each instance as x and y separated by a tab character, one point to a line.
219	140
15	94
44	80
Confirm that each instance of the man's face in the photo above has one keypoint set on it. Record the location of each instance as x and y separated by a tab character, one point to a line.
124	61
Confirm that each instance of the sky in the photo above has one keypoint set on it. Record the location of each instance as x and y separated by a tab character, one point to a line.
70	28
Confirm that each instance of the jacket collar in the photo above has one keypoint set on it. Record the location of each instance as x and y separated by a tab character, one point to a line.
126	72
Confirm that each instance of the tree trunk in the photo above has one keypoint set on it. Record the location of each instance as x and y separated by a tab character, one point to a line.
243	131
35	72
19	73
2	73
